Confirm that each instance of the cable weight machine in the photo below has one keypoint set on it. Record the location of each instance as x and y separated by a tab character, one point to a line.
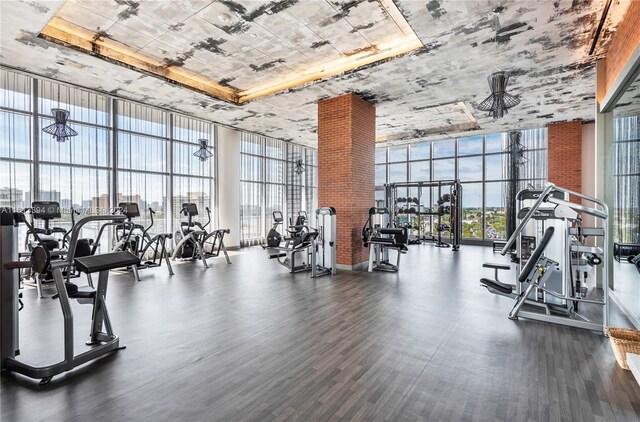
440	222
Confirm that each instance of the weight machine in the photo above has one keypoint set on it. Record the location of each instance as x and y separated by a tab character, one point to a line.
102	338
305	249
381	239
418	216
555	254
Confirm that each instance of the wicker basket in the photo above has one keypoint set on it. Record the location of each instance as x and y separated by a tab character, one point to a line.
624	341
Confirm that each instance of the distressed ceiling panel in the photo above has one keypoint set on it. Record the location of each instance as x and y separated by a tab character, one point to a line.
133	33
544	44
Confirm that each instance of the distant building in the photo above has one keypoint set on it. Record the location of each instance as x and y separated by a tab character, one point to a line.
11	197
100	204
49	195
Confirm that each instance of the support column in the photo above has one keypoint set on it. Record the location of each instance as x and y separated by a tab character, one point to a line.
565	155
346	171
228	159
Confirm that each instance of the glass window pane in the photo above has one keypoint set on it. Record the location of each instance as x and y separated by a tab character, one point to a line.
397	172
470	168
398	153
381	174
148	191
83	106
495	211
495	142
446	148
275	171
444	169
420	151
381	155
15	185
138	152
251	144
470	146
142	119
15	135
15	90
420	171
192	189
89	148
494	166
275	149
251	213
472	210
250	168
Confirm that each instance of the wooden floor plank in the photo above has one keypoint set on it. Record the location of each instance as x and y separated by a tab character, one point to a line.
251	342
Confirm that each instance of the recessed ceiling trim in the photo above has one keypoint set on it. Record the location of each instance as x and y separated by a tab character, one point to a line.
61	31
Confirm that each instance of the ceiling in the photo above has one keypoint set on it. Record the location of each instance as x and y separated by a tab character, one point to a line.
426	94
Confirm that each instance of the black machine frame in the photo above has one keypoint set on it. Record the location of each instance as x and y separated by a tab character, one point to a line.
451	208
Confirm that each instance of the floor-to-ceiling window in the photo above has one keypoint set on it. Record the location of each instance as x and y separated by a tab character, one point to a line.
193	179
478	162
16	157
275	176
76	172
142	176
153	163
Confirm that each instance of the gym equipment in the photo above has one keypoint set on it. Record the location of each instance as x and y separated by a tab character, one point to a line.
273	237
323	260
45	237
194	242
426	223
635	260
136	239
380	239
103	342
554	256
305	249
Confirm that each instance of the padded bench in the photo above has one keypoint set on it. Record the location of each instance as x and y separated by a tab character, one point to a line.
497	284
105	262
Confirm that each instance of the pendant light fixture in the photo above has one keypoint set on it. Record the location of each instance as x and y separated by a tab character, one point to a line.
300	167
498	103
203	152
59	129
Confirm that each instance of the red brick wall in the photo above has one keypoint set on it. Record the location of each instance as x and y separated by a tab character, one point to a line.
346	169
565	155
625	40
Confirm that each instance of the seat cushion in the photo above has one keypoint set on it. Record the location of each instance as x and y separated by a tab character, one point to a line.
107	261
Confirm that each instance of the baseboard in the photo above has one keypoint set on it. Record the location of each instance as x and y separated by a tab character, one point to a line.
355	267
233	248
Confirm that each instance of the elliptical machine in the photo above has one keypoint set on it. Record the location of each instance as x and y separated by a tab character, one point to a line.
194	242
46	237
135	238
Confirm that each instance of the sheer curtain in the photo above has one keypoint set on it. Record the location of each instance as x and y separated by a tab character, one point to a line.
627	179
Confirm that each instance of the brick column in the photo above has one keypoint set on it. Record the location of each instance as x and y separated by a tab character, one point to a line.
565	155
346	170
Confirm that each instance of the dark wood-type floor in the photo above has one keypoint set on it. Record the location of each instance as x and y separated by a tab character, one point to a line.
248	341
